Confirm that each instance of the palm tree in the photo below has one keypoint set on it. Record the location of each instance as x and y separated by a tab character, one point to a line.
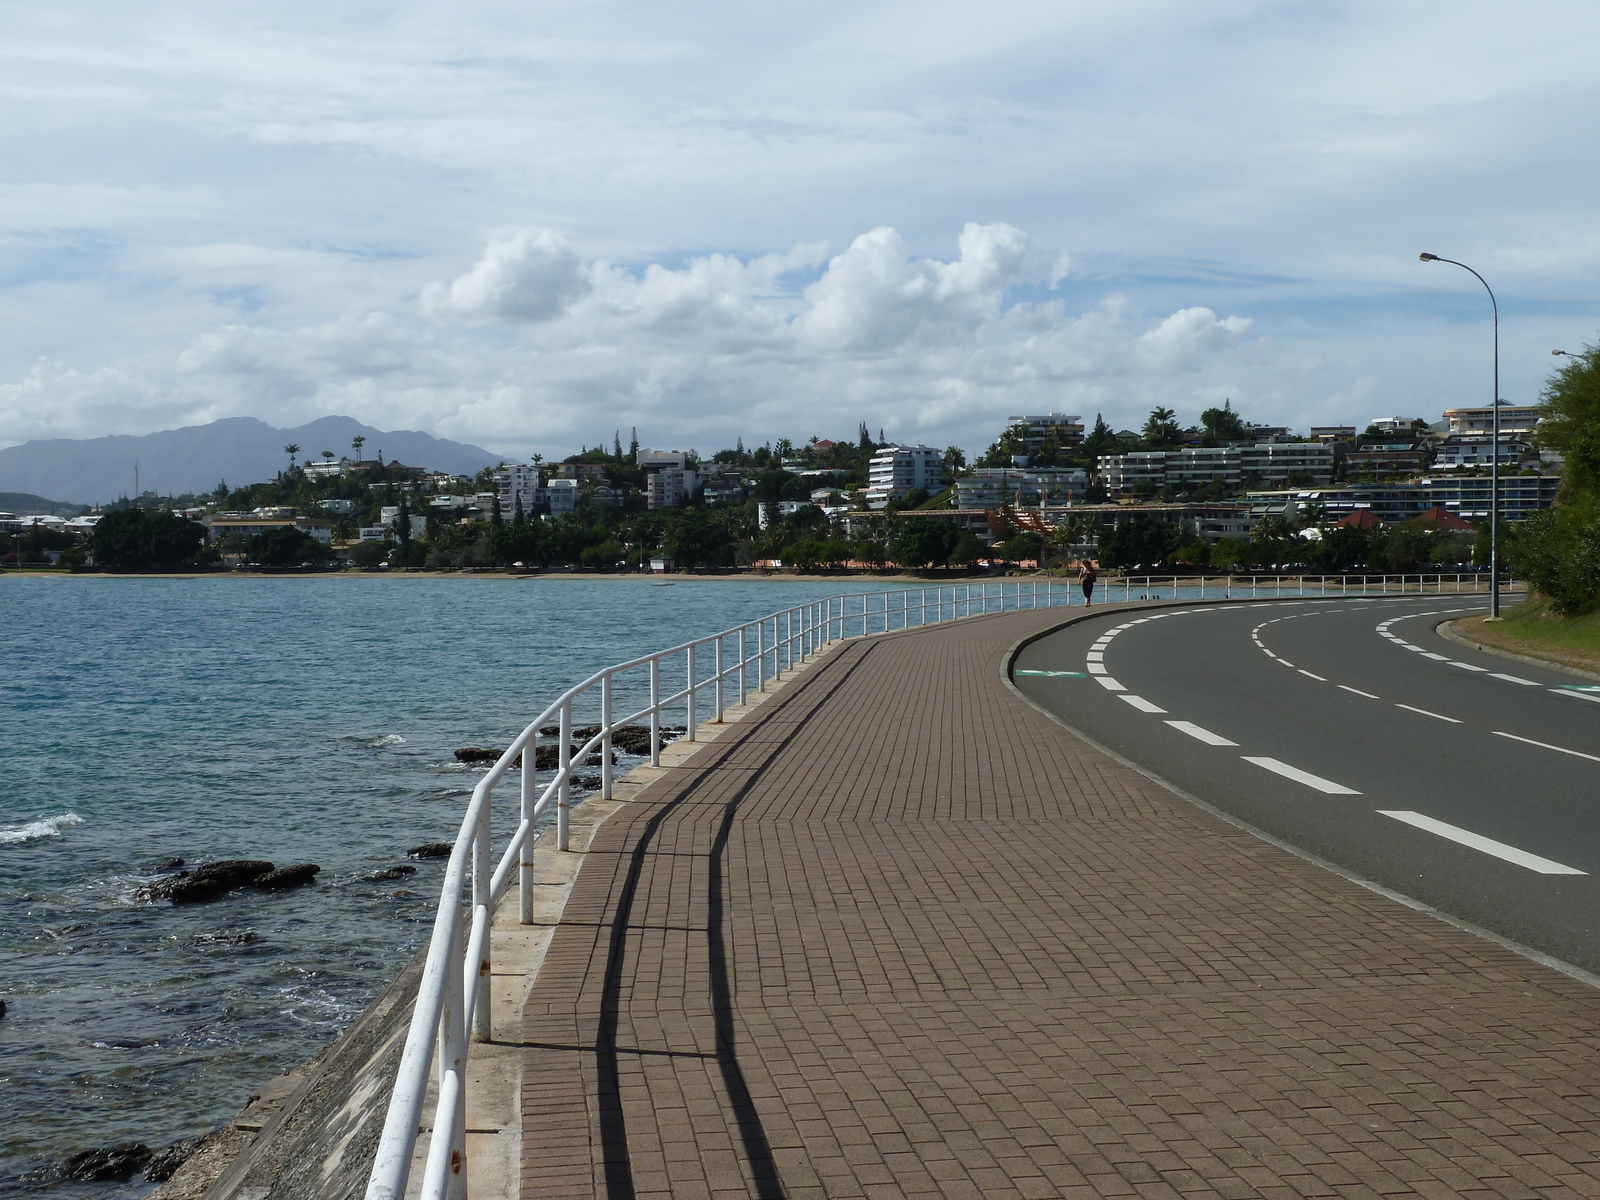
328	454
291	450
356	443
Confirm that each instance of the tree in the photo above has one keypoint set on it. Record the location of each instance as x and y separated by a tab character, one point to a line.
291	450
1222	424
286	547
969	548
356	443
327	455
955	461
919	543
132	539
518	517
1161	429
370	554
402	522
1020	547
496	517
1142	541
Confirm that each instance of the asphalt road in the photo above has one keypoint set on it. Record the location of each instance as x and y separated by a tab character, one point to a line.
1353	730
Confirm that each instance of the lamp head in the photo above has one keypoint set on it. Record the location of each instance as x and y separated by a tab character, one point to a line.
1428	257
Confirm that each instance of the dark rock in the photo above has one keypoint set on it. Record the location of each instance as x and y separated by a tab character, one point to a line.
431	850
209	880
586	783
473	754
164	1162
2	1010
287	877
113	1162
399	872
165	865
192	889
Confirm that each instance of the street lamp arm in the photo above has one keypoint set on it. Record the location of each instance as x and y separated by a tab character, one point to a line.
1492	302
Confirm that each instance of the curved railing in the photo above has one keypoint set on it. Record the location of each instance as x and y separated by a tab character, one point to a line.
452	1004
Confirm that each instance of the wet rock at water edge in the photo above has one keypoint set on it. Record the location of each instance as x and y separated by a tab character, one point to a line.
112	1162
165	1162
476	754
398	872
431	850
207	881
162	867
298	875
2	1010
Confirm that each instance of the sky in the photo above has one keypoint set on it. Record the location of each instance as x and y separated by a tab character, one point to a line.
529	226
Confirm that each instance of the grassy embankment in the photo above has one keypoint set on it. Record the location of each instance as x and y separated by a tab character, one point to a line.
1532	629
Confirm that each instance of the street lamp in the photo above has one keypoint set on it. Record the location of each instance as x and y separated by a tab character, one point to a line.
1494	457
1568	353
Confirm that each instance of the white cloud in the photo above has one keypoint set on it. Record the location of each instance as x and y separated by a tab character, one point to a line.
529	275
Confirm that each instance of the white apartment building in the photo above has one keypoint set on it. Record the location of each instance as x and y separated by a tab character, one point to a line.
669	487
1477	450
1514	418
514	483
896	470
652	460
990	487
1273	461
1036	429
562	495
1230	465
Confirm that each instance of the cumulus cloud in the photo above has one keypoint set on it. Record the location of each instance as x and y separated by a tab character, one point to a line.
526	275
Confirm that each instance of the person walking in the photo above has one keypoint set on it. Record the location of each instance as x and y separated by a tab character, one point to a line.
1087	577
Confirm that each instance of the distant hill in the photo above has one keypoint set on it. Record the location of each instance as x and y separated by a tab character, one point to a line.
194	459
25	504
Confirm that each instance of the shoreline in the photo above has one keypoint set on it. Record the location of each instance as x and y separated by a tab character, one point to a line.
644	576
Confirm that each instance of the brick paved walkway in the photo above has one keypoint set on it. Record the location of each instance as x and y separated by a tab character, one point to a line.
899	934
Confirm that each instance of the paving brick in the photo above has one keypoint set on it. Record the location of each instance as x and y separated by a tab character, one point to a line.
898	933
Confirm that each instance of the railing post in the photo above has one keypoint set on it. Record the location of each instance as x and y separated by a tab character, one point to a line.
530	796
717	692
453	1061
761	651
655	712
605	737
688	700
564	765
482	875
744	666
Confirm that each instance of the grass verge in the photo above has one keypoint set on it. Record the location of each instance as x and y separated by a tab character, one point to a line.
1531	628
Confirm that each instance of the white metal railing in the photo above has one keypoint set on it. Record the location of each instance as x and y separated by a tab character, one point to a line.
452	1004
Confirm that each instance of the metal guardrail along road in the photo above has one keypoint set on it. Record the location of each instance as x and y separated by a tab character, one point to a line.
452	1004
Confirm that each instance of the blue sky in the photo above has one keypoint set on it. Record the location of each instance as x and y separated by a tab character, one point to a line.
526	226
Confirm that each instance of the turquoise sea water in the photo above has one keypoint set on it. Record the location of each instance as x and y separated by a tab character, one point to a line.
294	719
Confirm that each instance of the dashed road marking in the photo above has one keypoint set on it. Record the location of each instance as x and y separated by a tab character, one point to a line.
1110	684
1306	777
1515	679
1199	734
1477	841
1142	704
1309	675
1547	746
1426	713
1359	692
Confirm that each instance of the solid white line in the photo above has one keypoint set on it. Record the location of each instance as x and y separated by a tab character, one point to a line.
1199	734
1469	667
1359	692
1514	679
1548	746
1110	684
1309	675
1142	704
1426	713
1477	841
1299	776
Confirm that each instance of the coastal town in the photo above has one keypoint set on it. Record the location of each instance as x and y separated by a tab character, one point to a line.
1051	491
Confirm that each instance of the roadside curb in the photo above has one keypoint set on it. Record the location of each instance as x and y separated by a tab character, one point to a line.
1450	635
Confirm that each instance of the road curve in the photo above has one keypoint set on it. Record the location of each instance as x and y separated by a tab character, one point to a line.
1353	730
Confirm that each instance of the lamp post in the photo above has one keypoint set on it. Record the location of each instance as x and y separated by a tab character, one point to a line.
1494	456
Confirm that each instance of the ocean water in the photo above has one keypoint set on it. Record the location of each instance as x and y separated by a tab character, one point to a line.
291	719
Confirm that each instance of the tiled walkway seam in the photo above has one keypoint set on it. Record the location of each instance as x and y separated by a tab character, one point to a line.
897	933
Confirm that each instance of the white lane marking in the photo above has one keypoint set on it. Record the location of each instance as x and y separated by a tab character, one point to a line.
1515	679
1110	684
1142	704
1359	692
1439	657
1097	669
1547	746
1199	734
1575	695
1470	667
1268	653
1095	656
1477	841
1299	776
1426	713
1284	661
1309	675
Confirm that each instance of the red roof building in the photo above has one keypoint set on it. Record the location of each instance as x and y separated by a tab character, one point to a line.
1440	517
1362	518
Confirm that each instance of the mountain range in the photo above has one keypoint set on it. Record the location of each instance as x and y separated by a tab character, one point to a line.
196	458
